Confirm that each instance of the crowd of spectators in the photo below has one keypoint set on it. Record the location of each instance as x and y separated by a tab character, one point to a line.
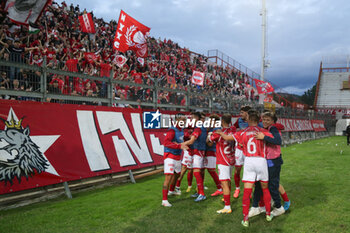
61	44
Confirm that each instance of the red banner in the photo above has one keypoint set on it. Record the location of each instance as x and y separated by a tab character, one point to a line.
131	35
87	23
197	78
318	125
296	125
46	143
263	87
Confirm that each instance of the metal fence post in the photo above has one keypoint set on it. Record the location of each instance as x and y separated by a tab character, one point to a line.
155	93
110	89
43	81
67	190
132	177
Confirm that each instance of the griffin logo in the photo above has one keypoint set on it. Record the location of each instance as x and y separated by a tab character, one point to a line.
19	155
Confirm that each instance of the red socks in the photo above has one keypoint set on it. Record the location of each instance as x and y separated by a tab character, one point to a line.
215	178
178	183
285	197
261	202
267	200
189	178
237	178
246	202
199	182
227	199
165	194
172	188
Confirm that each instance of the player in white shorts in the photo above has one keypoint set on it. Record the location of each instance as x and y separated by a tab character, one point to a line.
225	158
255	165
210	159
173	146
198	141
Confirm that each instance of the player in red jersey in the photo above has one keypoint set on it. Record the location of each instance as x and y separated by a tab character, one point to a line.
240	124
173	146
198	140
210	158
225	158
255	164
187	160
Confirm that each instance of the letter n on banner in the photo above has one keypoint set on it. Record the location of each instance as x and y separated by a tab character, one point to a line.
113	121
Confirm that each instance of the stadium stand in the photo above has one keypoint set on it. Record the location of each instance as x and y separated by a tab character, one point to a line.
65	47
334	90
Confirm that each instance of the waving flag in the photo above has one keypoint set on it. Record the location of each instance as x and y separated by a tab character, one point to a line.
131	35
263	87
90	57
197	78
86	23
119	60
141	61
24	12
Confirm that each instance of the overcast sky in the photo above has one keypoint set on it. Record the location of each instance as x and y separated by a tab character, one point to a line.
300	32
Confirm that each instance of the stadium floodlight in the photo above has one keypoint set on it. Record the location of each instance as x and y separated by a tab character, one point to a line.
263	41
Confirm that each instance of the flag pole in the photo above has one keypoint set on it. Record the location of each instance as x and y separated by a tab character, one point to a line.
263	41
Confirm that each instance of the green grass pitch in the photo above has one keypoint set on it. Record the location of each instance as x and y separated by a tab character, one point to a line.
315	175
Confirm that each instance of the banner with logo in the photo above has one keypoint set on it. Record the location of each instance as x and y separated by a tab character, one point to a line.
198	78
87	23
131	35
296	125
318	125
47	143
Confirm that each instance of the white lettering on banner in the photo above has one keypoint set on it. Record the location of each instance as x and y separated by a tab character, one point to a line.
116	44
156	146
123	17
86	22
123	153
121	27
91	142
118	35
113	121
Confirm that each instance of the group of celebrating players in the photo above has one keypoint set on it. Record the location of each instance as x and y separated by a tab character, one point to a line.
253	142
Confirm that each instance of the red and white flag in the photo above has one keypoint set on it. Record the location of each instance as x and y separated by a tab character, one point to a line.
24	12
141	60
86	23
198	78
263	87
131	35
119	60
91	57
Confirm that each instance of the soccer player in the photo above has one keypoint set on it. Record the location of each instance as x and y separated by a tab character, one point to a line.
255	164
274	162
240	124
225	158
210	159
173	146
198	140
187	160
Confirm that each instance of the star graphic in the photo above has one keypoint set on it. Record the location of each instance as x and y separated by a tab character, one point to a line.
155	115
43	142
